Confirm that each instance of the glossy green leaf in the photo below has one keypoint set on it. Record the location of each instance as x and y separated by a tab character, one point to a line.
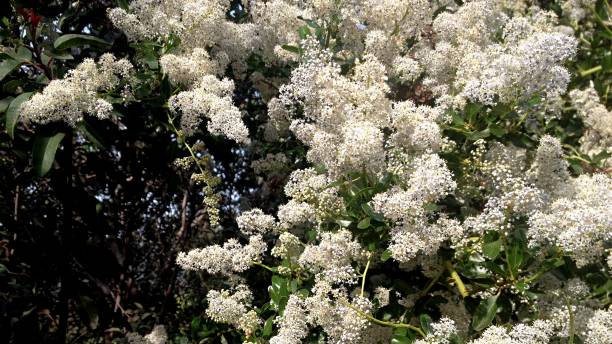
492	249
4	103
485	313
268	326
385	255
426	321
21	54
291	48
515	257
363	224
43	153
92	135
12	113
75	40
7	66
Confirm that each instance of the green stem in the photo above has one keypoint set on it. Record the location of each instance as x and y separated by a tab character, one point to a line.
385	323
591	71
264	266
363	276
431	284
179	135
457	279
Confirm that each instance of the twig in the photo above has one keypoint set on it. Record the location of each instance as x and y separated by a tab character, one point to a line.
385	323
457	279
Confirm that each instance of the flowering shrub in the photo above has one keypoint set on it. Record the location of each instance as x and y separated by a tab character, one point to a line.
445	165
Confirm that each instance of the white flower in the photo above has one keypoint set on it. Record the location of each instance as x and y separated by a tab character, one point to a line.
75	96
227	259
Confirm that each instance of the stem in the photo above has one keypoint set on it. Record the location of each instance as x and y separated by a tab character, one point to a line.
431	284
457	279
591	71
264	266
363	276
384	323
181	138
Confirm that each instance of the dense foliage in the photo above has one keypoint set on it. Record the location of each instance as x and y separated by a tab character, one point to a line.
372	171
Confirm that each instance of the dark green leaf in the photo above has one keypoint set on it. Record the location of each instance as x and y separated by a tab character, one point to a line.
22	54
515	257
485	313
4	103
267	329
363	224
304	31
7	66
89	306
12	113
492	249
426	321
75	40
291	48
43	153
91	134
496	130
385	255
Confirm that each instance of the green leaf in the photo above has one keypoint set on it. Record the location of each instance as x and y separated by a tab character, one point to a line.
477	135
515	257
89	306
471	111
402	336
426	321
43	153
291	48
75	40
496	130
22	54
123	4
492	249
304	31
485	313
267	329
58	55
363	224
12	113
385	255
7	66
4	103
91	134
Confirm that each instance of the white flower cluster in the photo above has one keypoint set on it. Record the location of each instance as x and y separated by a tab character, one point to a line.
441	332
212	99
272	163
157	336
577	10
597	120
255	221
413	238
79	92
292	324
580	222
599	327
540	332
332	258
189	69
528	61
230	258
232	307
